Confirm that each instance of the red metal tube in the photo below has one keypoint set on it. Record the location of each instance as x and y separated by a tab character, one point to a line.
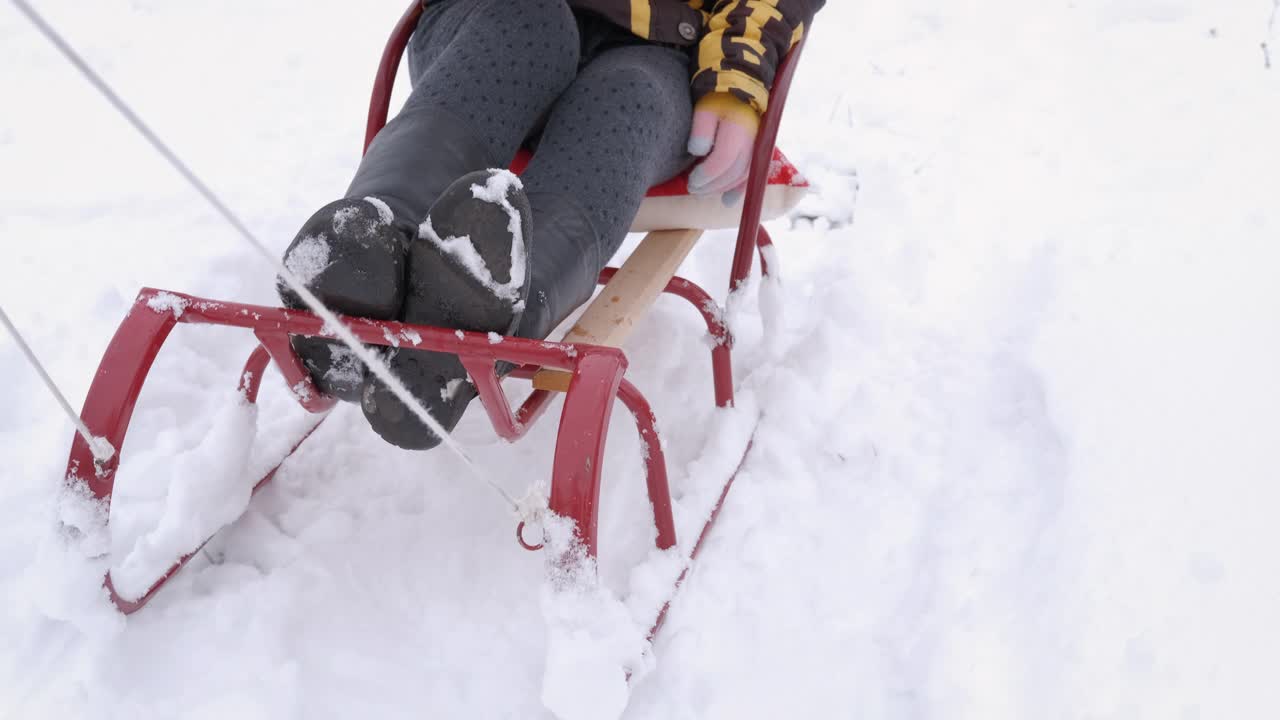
109	405
251	376
713	315
758	180
722	375
655	463
536	404
296	376
265	320
654	458
721	351
506	424
533	407
763	240
584	427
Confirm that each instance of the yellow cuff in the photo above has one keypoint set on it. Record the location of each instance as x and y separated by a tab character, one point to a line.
729	108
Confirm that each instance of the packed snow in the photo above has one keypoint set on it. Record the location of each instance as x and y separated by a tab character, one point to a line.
163	302
208	488
365	227
451	389
310	257
494	191
1012	426
344	368
384	210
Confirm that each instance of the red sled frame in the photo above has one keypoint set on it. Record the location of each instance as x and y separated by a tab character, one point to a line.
598	373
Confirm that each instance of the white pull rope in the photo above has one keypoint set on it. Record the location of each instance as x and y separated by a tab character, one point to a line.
372	361
100	446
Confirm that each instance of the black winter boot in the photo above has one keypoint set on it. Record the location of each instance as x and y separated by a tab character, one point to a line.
469	269
352	257
353	252
567	262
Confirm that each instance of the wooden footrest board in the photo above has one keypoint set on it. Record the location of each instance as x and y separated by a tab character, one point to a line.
612	316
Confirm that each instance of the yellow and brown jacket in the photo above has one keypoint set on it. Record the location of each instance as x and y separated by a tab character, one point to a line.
740	42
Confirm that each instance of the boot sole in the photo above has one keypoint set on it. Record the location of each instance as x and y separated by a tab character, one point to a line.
362	276
443	292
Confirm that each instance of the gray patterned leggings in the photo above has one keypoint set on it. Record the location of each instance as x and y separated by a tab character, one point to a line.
610	113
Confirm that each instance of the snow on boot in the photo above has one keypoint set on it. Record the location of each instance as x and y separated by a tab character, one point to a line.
351	255
467	270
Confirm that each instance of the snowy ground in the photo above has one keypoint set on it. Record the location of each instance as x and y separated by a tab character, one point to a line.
1018	437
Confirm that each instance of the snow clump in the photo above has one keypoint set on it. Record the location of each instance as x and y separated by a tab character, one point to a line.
209	488
384	211
345	369
593	642
309	257
494	191
164	302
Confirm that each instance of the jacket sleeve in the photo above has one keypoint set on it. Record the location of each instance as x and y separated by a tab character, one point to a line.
745	42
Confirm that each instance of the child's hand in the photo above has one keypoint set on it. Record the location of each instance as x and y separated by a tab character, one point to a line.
724	133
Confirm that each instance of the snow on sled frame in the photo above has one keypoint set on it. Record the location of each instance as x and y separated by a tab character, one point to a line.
590	374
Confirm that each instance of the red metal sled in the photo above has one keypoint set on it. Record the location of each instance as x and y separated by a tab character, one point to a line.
597	373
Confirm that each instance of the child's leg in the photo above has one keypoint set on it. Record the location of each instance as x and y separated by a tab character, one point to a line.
619	129
484	73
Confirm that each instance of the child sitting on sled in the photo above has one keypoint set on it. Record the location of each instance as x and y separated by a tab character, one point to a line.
430	233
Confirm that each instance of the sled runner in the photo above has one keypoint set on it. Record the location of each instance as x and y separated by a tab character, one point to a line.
587	365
